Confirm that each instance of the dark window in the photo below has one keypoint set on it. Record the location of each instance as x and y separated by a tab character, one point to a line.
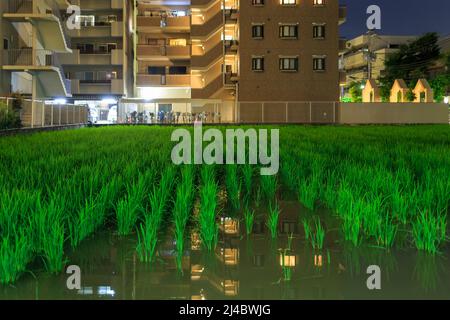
289	31
319	31
5	44
319	64
288	227
178	70
258	64
289	64
156	70
258	31
258	2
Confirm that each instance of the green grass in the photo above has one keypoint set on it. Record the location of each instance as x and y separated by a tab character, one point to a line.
383	183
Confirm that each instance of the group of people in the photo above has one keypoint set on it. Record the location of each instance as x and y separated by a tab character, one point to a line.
170	117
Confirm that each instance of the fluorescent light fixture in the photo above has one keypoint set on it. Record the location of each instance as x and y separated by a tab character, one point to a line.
109	101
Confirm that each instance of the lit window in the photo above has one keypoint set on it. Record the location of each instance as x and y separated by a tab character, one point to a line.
288	2
288	31
319	63
258	31
319	2
258	2
289	64
258	63
319	31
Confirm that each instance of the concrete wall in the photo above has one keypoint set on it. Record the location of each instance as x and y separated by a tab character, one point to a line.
393	113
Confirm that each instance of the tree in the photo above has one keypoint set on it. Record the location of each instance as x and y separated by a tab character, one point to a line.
411	62
355	90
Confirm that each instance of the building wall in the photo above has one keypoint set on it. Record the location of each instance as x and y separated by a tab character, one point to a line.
272	84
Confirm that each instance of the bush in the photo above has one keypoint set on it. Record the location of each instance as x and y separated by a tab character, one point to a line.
9	119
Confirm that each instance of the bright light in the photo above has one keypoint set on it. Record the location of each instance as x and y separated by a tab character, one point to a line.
60	101
446	100
363	86
109	101
150	92
181	13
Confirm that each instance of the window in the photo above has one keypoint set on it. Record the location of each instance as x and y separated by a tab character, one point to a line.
289	64
258	63
319	63
319	31
258	31
319	2
288	2
258	2
85	21
5	44
288	31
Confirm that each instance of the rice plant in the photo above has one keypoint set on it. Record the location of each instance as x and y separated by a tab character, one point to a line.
249	219
269	186
15	255
247	174
209	228
429	231
315	234
233	185
272	219
183	206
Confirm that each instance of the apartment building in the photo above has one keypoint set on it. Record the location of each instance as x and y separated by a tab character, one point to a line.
364	56
236	52
100	65
223	60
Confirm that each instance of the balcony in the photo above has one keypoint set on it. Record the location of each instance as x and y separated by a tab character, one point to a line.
169	80
342	14
209	57
42	64
169	24
115	30
52	31
209	27
148	52
115	57
98	4
103	87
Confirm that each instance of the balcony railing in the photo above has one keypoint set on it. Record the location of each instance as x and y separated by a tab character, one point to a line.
176	80
26	57
26	7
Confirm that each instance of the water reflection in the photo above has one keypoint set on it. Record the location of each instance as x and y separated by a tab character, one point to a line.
241	267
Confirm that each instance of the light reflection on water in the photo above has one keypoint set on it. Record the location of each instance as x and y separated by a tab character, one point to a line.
253	267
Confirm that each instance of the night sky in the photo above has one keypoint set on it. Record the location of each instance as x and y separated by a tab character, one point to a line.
398	17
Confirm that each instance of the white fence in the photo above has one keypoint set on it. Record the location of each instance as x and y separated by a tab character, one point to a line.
41	114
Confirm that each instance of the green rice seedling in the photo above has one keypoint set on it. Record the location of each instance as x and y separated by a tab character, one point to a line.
249	218
371	215
386	232
316	235
183	206
233	185
258	197
208	204
289	173
15	254
429	231
129	208
351	213
272	220
148	230
309	192
269	187
147	240
247	174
